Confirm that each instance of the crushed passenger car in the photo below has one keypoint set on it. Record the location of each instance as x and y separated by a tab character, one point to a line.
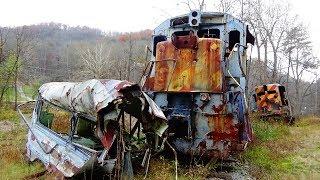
94	125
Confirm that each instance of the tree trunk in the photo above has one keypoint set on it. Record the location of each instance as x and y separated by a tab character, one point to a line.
275	64
265	61
15	84
288	70
5	87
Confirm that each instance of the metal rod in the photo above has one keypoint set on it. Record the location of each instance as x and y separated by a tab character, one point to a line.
175	157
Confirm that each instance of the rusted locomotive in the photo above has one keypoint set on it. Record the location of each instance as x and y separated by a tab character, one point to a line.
197	76
272	102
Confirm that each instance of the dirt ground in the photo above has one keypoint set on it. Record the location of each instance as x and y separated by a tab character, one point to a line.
6	126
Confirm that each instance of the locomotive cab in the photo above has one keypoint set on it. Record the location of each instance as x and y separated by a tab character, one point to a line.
197	76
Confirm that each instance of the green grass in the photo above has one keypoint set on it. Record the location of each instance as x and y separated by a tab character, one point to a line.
281	151
19	170
162	168
266	131
260	156
29	90
13	164
8	114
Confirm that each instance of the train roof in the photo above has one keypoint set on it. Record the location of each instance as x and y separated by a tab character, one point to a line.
205	18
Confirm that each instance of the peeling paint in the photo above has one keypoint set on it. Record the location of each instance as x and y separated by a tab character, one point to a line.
197	77
101	106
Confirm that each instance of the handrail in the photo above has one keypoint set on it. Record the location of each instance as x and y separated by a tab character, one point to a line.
243	91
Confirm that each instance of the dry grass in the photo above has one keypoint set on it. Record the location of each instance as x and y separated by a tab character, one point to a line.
162	168
61	122
285	152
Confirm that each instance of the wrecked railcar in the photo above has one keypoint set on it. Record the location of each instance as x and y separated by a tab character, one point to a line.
271	101
89	126
197	76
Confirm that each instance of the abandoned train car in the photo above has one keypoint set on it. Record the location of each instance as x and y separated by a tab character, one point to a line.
77	127
271	101
197	76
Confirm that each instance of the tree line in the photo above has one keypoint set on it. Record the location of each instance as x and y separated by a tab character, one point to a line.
57	52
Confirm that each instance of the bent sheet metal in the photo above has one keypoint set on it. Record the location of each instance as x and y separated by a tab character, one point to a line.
75	127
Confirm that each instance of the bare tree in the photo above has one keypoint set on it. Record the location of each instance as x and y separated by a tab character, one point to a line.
3	40
298	48
194	4
274	21
229	6
23	43
96	59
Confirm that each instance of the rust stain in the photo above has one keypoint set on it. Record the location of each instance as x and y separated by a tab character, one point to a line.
188	69
70	166
56	155
223	128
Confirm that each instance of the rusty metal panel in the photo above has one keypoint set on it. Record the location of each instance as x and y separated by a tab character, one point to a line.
165	62
271	101
223	127
188	69
59	155
268	97
208	71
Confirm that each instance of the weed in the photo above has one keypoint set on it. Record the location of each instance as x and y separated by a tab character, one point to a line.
281	151
266	131
8	114
13	164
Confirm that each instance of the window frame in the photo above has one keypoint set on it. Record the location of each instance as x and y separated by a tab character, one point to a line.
40	103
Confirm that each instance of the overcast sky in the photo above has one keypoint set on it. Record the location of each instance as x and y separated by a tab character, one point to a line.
124	15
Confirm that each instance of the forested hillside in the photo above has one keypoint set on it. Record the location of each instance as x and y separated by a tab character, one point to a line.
57	52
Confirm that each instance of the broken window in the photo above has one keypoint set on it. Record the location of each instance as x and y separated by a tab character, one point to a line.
156	40
209	33
179	21
77	128
55	118
84	134
234	38
249	38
